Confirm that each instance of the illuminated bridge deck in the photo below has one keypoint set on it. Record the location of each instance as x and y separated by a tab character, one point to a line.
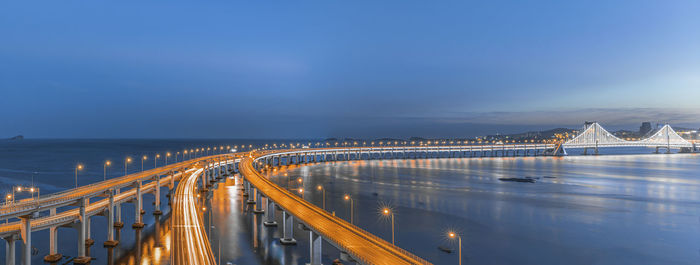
365	247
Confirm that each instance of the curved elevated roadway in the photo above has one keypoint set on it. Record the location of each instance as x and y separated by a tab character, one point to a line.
363	246
191	244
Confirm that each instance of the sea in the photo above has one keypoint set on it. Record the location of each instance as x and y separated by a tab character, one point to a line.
627	206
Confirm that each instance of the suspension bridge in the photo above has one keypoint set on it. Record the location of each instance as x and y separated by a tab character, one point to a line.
594	136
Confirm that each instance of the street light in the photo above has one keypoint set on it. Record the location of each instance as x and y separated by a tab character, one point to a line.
143	158
155	161
166	157
37	190
459	241
107	163
126	161
348	198
301	191
78	167
387	211
319	187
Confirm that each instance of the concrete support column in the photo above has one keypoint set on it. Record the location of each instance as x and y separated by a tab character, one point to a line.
118	212
316	241
258	202
110	222
88	239
138	219
245	188
82	258
252	196
53	255
172	179
157	210
204	176
270	214
288	229
10	249
26	234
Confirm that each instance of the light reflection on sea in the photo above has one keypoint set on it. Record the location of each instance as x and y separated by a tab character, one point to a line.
631	209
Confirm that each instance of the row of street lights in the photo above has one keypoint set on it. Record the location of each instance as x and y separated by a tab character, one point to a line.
179	156
401	143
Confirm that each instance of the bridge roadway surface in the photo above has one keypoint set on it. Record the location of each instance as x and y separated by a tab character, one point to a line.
191	245
69	197
69	216
361	245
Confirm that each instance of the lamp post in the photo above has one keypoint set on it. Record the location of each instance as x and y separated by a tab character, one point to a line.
166	157
301	191
319	187
37	190
143	158
126	161
155	161
352	206
78	167
387	211
107	163
459	242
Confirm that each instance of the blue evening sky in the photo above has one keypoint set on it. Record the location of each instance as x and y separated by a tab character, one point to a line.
297	69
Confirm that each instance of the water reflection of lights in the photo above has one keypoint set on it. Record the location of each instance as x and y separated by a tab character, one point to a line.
152	252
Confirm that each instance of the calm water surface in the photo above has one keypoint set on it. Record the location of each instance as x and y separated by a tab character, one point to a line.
639	209
610	209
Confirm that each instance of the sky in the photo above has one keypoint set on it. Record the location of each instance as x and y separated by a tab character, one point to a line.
313	69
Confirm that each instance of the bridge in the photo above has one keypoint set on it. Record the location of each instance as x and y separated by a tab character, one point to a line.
41	213
75	208
594	136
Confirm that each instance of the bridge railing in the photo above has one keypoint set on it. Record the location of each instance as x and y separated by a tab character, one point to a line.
342	223
69	195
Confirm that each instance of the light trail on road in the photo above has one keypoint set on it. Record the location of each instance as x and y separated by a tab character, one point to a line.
191	244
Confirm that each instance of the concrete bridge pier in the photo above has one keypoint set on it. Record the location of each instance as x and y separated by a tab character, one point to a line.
205	177
288	229
82	258
110	223
316	241
88	240
53	255
258	203
138	219
270	214
157	210
10	249
118	212
171	186
246	187
251	194
26	234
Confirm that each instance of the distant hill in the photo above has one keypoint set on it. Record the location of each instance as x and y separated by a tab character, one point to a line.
17	138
